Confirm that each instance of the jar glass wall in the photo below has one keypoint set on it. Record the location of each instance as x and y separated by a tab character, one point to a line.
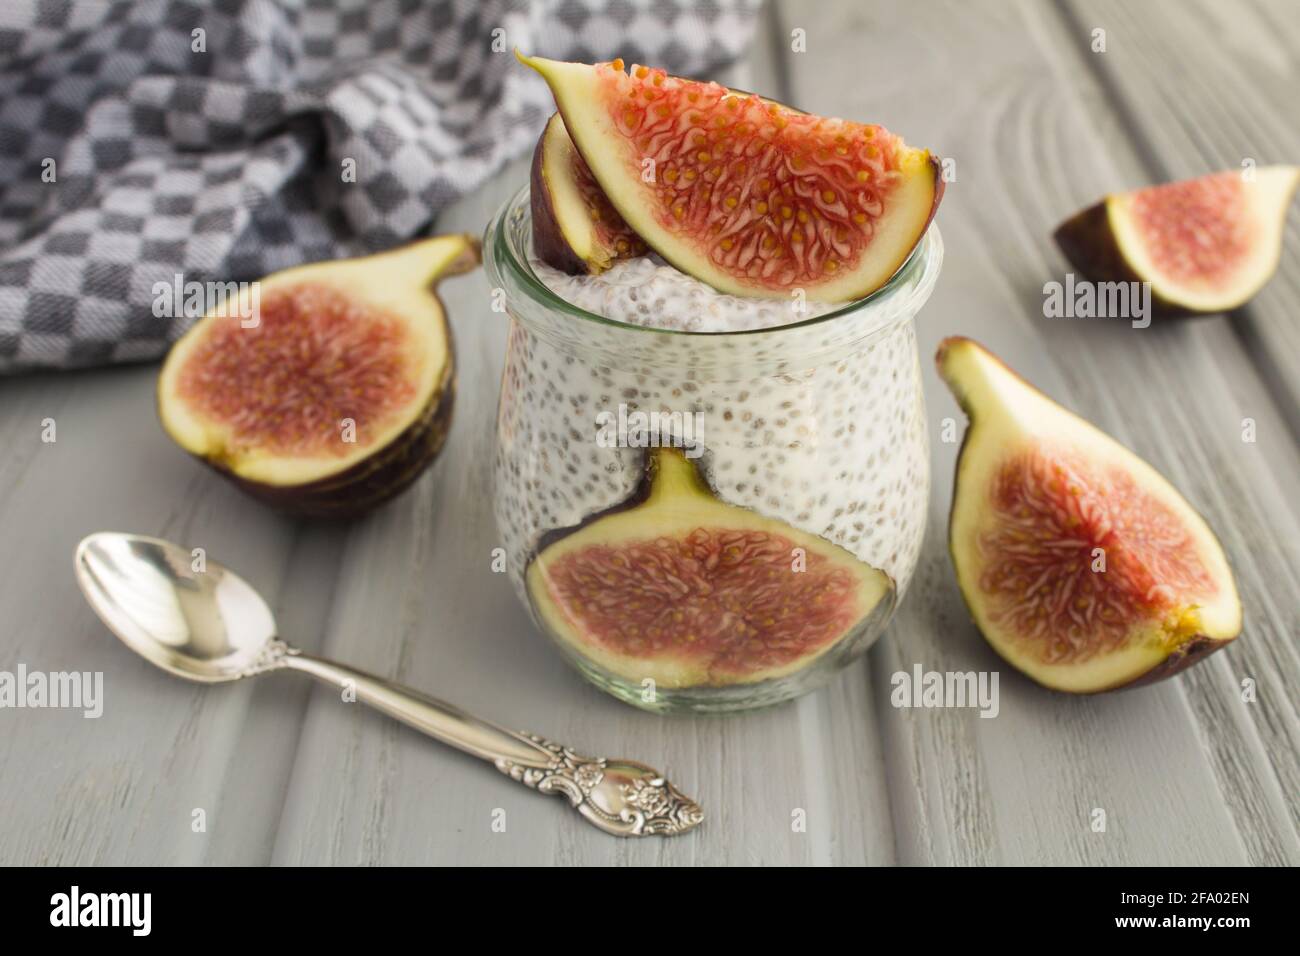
709	521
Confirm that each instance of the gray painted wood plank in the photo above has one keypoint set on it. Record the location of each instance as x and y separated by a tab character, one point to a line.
1028	128
291	774
121	788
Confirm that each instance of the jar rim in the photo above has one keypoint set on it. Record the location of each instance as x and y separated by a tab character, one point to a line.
921	265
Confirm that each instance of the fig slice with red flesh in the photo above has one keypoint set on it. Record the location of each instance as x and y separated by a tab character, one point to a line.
1081	565
575	229
1206	245
328	388
684	589
749	196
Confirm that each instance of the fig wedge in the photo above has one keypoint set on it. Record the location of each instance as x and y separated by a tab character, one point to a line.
575	229
1206	245
749	196
684	589
1081	565
327	389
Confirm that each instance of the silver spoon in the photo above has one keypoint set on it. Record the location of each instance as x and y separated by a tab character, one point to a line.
211	626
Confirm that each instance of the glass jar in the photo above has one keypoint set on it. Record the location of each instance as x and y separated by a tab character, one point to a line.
709	521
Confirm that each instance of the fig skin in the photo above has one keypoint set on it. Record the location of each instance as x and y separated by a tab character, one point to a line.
548	238
1191	649
386	471
940	186
1192	652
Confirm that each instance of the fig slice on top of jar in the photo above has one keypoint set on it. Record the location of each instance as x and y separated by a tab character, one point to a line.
712	466
745	194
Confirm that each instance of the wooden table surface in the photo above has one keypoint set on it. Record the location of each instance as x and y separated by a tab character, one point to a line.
1039	125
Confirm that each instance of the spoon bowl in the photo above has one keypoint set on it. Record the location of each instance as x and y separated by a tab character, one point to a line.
190	616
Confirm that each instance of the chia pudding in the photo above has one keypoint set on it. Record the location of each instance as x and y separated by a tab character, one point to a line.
649	292
809	421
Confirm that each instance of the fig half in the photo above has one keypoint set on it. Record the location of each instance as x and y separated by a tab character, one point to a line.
1082	566
749	196
682	588
1206	245
328	388
575	229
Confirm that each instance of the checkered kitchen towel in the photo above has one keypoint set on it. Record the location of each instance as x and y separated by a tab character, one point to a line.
142	139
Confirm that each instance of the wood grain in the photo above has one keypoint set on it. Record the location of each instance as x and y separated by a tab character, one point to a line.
288	773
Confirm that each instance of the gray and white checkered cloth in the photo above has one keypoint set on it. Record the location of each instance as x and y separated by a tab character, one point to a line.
210	138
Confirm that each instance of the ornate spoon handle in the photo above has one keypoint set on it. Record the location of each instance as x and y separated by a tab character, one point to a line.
618	796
